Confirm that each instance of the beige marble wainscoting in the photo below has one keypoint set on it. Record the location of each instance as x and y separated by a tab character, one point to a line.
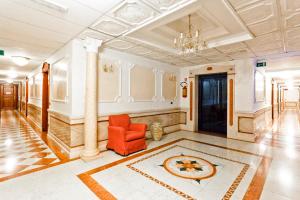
34	114
253	125
23	108
276	111
68	133
291	105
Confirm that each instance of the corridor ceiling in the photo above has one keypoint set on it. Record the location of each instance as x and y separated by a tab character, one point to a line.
234	29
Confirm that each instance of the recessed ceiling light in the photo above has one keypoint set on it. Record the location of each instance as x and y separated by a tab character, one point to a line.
52	5
20	60
12	74
9	80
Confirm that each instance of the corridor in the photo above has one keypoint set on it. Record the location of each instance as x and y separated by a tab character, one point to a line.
285	132
21	148
261	174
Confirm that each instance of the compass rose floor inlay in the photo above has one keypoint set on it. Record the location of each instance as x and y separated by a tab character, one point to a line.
183	169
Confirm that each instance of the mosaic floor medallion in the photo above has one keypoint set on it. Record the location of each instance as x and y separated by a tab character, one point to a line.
189	167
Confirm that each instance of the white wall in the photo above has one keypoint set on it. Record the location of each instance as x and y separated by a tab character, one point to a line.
64	53
291	94
124	105
74	106
31	100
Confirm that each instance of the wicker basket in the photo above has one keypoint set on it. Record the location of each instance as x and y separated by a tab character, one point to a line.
156	131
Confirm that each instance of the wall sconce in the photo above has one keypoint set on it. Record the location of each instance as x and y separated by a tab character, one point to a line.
172	77
108	68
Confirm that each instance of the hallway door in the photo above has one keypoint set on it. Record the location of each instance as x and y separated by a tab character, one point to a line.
212	104
9	96
45	96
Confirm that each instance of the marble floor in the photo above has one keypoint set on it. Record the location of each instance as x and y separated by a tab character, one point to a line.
183	165
21	149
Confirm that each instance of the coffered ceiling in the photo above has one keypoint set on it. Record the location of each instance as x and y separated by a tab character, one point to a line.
234	29
227	26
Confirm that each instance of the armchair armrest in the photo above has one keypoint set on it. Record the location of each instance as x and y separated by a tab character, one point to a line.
138	127
116	132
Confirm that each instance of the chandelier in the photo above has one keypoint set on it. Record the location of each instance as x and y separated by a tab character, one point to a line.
189	43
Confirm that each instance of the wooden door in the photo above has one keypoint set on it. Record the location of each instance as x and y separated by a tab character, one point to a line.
26	97
45	96
272	100
9	96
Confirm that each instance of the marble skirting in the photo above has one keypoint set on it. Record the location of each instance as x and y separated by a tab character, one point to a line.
252	125
68	133
23	108
34	114
291	105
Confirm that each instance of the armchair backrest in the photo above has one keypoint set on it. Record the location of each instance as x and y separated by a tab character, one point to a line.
119	120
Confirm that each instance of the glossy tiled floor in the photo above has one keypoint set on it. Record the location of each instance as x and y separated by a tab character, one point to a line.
243	170
21	149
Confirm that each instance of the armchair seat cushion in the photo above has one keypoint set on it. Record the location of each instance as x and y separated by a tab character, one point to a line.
134	135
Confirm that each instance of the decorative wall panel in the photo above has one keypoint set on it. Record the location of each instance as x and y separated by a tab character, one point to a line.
23	91
59	80
38	84
142	83
31	87
260	86
109	83
169	86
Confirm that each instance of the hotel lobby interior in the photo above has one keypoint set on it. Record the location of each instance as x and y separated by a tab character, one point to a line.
149	99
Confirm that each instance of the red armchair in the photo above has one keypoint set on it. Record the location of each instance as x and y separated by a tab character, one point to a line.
124	137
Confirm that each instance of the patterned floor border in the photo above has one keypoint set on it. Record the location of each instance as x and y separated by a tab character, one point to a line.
45	141
253	192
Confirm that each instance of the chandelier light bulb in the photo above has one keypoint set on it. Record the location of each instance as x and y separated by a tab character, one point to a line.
189	42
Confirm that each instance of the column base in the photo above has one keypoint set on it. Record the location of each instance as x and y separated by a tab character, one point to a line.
90	155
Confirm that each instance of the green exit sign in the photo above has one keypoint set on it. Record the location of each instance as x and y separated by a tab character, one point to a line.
261	64
1	52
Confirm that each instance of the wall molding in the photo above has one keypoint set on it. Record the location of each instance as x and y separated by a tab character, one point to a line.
118	97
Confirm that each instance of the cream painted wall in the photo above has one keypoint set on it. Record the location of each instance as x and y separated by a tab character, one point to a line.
291	94
125	103
34	100
64	53
74	105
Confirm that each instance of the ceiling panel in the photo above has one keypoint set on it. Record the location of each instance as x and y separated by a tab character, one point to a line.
96	35
110	26
13	30
165	4
101	6
14	11
119	44
267	26
77	13
139	50
232	47
237	4
17	48
133	12
265	42
258	12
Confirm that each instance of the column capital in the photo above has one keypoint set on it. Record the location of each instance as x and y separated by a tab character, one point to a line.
92	45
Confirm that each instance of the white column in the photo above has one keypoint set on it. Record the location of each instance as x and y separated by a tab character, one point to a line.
91	150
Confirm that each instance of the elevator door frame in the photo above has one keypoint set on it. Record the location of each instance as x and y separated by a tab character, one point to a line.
199	102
